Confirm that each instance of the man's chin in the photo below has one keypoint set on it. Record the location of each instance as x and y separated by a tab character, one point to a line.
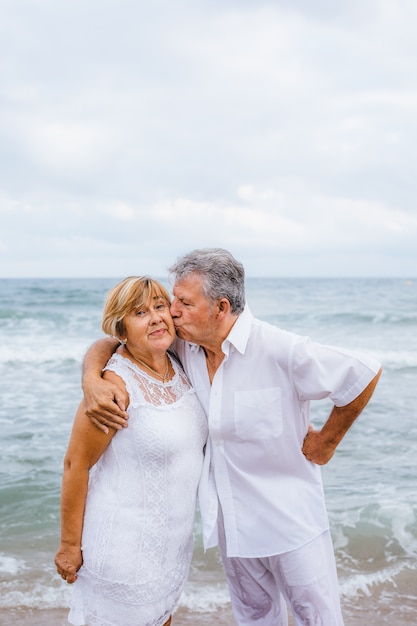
181	334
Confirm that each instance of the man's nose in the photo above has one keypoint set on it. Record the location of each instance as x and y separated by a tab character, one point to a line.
173	309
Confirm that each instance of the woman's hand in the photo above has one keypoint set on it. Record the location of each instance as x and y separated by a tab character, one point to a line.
68	561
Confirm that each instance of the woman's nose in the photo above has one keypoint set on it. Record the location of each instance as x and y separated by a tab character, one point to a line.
155	315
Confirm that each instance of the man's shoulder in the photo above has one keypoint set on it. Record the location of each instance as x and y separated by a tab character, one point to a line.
272	337
268	328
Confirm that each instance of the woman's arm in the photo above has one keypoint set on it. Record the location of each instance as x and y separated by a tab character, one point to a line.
86	445
105	403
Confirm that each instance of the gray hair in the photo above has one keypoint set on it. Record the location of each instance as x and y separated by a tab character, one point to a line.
222	276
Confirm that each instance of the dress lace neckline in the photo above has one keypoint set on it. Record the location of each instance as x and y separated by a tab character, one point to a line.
140	371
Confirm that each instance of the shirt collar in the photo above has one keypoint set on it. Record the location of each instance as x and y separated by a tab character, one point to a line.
238	336
194	347
239	333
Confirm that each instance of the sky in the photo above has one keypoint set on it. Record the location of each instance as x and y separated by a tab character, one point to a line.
134	131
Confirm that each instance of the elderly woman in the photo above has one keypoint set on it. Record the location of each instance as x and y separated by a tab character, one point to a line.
128	496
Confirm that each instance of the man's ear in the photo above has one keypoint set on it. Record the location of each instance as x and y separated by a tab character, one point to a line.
223	306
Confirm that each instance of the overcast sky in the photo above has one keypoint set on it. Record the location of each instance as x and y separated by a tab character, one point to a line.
133	131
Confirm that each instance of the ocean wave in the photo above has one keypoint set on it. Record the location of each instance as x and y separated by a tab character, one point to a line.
11	565
55	594
41	351
207	599
347	319
364	583
58	349
196	598
388	509
393	318
396	359
40	595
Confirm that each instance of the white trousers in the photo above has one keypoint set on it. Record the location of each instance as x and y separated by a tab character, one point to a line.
304	579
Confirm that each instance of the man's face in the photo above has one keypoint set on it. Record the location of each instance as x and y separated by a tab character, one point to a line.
194	317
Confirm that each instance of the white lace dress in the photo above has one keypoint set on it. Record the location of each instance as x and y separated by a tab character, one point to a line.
138	526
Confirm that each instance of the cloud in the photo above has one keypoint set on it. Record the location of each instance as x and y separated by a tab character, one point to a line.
133	131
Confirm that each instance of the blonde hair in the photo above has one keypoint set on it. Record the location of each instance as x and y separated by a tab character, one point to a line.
131	293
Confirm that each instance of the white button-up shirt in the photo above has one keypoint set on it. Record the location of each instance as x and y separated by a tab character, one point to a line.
258	414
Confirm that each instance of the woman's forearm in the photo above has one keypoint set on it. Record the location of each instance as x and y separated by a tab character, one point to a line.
85	447
73	498
69	558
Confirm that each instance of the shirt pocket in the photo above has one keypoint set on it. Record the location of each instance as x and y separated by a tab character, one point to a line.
258	413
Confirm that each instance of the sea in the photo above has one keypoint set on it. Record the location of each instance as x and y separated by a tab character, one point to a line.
46	326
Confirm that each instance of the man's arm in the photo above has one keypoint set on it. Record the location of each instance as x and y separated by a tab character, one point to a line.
320	445
105	403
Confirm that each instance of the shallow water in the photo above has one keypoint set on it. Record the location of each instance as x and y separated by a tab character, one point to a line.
45	328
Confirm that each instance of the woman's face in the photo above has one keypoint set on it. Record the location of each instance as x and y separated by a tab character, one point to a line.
150	329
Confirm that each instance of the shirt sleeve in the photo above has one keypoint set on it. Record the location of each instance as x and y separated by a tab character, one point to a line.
321	371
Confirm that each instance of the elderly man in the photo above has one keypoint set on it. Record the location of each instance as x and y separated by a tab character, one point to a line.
261	494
